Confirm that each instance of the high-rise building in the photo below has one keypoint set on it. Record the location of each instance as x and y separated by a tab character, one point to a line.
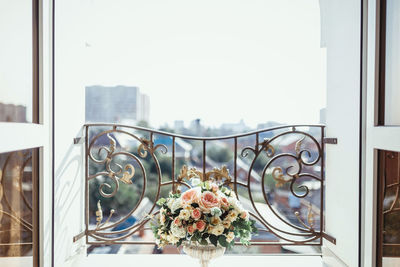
12	113
116	104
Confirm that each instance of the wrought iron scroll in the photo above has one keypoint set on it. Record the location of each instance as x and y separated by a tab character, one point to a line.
294	166
16	223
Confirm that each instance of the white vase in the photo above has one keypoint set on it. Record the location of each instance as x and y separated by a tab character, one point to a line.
203	253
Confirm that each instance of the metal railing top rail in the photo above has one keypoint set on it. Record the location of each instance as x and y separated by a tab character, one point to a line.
209	138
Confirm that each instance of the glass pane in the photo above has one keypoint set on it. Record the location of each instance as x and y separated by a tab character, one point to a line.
16	54
392	68
389	207
18	208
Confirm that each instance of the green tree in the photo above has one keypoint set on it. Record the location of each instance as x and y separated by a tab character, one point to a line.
220	154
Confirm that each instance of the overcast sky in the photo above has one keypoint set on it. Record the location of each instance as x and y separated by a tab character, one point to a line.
217	60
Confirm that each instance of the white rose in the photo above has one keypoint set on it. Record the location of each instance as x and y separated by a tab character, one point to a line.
177	231
170	202
177	204
235	203
172	239
232	201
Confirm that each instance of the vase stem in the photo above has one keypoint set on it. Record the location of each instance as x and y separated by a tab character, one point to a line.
204	263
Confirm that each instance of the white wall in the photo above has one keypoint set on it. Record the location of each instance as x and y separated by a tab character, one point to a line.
69	119
342	37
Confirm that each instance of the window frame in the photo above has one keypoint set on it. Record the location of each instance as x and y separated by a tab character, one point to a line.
38	134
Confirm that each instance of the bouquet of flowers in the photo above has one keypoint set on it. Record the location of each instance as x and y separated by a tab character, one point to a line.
208	213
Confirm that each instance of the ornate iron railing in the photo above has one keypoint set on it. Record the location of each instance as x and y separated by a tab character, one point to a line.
277	173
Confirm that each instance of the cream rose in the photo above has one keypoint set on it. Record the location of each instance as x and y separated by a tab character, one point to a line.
232	215
230	237
217	230
184	214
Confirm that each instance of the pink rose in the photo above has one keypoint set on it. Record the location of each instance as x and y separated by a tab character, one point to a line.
196	214
207	201
224	203
200	225
190	229
177	221
190	196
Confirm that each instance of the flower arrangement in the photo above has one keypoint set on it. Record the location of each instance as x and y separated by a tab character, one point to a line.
208	213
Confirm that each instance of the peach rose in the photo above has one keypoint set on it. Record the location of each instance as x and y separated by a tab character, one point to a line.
200	225
207	201
190	229
196	213
190	196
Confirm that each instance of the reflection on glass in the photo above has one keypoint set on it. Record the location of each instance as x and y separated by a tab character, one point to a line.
392	66
390	213
16	53
18	208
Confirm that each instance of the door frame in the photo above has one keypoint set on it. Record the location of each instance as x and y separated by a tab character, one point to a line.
376	135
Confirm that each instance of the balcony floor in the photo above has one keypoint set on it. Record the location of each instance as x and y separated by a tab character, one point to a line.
185	261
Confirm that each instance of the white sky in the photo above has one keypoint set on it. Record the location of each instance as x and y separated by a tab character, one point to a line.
217	60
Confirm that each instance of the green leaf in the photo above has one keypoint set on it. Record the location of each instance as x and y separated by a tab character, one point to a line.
179	242
204	242
177	211
198	235
194	205
161	201
194	238
222	241
214	240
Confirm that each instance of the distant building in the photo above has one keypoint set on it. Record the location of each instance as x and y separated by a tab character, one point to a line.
268	124
235	127
179	125
116	104
12	113
196	128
